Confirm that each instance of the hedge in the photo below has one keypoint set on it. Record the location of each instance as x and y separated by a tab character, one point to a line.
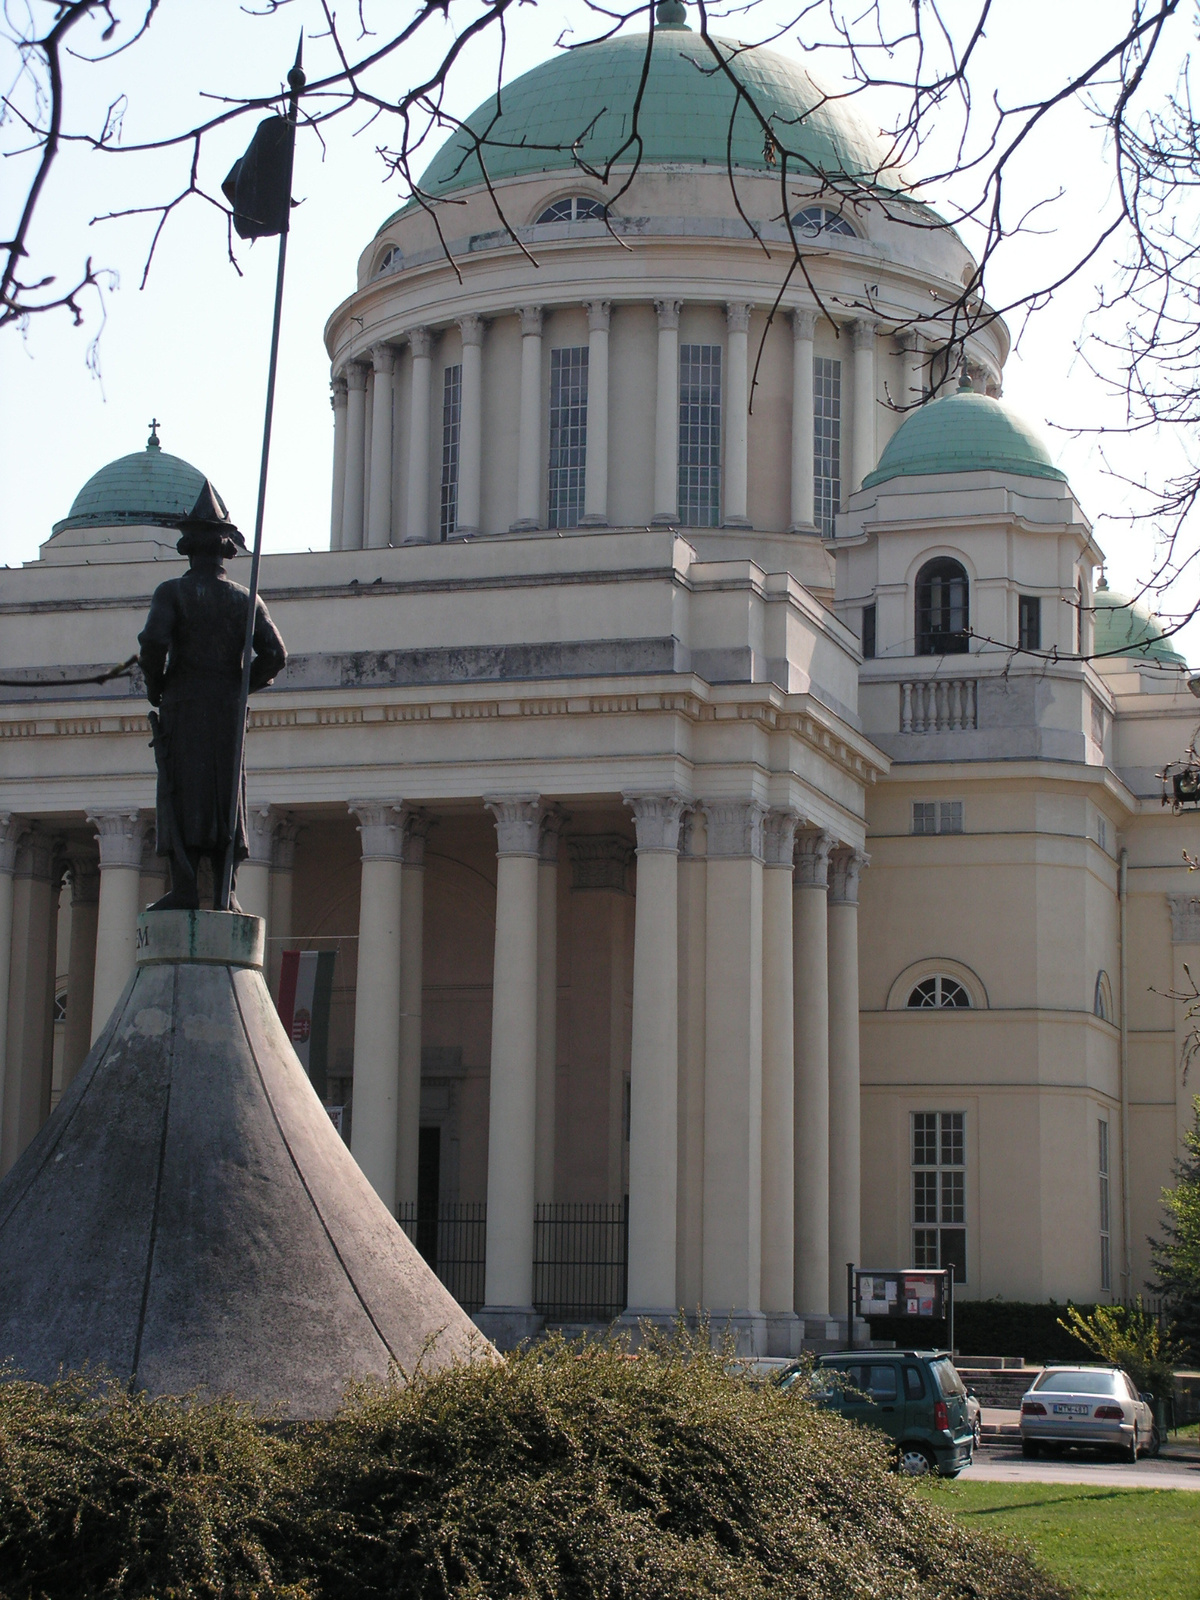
1026	1328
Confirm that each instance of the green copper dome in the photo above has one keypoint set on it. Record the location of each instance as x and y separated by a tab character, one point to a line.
577	109
148	487
964	432
1125	627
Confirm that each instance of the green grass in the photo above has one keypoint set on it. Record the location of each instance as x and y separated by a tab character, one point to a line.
1108	1544
1189	1433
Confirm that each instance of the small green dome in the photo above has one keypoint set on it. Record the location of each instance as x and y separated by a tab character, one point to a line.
1125	627
577	108
148	487
964	432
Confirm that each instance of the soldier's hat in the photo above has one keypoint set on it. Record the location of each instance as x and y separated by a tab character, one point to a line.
208	528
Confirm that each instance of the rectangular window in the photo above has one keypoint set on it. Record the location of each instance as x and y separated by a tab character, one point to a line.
827	443
924	816
568	434
451	422
1105	1227
868	633
937	816
950	816
1102	833
700	435
939	1191
1029	621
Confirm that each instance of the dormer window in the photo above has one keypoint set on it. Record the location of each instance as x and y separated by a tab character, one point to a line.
392	261
943	609
576	208
813	220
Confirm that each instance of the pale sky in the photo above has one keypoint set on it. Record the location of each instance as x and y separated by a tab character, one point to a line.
191	347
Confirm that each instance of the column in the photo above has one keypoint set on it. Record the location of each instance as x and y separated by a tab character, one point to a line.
377	996
733	1073
863	441
11	829
508	1313
279	923
810	995
81	962
416	510
412	968
693	882
912	392
666	416
254	873
155	876
804	327
120	835
547	1006
654	1059
30	993
737	413
778	1071
595	481
379	511
845	1114
529	442
356	446
470	429
337	399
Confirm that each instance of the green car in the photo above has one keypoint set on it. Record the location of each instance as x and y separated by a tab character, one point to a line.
915	1396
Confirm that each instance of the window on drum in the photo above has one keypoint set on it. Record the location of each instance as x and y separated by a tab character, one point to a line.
827	443
939	1191
568	435
813	220
451	422
576	208
700	435
939	993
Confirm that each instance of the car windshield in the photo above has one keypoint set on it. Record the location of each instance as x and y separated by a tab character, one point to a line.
1069	1382
947	1379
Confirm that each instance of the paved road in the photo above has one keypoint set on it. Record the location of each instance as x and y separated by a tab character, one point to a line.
1002	1462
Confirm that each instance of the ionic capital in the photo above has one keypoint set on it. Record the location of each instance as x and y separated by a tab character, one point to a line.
531	321
381	828
735	828
471	329
11	829
85	878
668	312
863	331
656	818
737	316
260	830
812	859
337	392
417	824
779	836
356	376
420	342
845	869
804	324
599	315
518	822
383	359
120	835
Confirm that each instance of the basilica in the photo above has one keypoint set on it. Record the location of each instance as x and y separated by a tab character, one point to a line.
708	827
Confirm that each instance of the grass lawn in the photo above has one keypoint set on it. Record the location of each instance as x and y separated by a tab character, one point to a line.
1110	1544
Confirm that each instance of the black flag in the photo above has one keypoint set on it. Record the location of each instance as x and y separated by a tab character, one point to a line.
259	185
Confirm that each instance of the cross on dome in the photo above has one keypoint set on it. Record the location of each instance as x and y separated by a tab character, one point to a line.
152	443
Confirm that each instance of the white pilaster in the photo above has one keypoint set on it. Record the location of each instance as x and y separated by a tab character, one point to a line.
737	413
529	444
254	873
845	1115
863	443
654	1059
377	996
412	963
693	882
810	985
356	446
666	415
120	835
81	962
512	1124
804	325
379	514
547	1007
470	431
337	399
778	1103
416	514
595	481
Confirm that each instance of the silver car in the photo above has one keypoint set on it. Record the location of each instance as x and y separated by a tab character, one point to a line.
1096	1406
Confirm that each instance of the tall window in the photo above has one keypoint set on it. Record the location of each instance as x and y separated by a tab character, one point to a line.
1105	1228
827	443
1029	621
700	435
451	422
868	633
943	614
568	434
939	1180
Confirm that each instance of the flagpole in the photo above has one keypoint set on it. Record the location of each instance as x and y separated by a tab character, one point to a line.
296	81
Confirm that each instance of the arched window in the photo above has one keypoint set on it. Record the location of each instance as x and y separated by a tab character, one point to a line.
1102	1005
576	208
939	993
60	1006
943	609
392	262
820	219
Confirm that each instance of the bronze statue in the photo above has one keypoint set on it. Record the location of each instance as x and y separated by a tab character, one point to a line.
191	656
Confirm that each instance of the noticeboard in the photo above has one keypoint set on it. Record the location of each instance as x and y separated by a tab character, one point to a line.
901	1294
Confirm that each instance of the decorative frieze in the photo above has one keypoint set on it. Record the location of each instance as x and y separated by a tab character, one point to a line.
656	818
1185	918
599	861
381	828
735	827
518	822
120	834
812	858
845	869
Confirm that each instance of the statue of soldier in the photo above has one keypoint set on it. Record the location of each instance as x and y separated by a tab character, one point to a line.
191	656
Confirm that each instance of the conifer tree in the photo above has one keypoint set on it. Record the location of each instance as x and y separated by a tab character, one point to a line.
1176	1250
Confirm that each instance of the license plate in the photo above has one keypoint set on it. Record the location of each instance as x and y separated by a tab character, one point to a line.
1071	1411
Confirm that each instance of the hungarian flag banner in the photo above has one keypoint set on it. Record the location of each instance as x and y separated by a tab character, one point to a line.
305	992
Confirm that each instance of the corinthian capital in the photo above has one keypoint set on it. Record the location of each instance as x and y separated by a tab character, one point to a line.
531	321
656	817
383	359
599	315
668	312
420	342
381	828
120	834
812	858
471	329
518	822
845	869
804	324
737	317
735	827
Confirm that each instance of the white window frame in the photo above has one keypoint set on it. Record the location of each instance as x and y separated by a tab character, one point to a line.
948	1190
946	816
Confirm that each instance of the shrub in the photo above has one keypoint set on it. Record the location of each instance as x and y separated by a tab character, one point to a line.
1129	1337
1176	1251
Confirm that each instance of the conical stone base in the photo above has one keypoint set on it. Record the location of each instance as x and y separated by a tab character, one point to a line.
190	1219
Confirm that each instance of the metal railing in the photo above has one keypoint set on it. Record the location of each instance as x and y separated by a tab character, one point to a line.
453	1241
939	705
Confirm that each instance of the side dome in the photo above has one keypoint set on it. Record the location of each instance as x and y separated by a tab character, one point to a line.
575	112
1122	626
149	487
964	432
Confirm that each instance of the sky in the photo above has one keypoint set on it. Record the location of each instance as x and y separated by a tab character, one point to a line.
190	347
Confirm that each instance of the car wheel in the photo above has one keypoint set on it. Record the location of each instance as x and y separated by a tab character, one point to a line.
914	1461
1131	1452
1030	1449
978	1434
1155	1441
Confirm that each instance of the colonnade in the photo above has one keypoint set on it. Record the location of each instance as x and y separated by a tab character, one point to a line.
363	514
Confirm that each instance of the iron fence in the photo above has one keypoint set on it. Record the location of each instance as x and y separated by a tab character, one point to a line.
453	1241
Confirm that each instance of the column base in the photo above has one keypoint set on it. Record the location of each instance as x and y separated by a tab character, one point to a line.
630	1322
405	542
747	1329
664	519
524	525
737	522
593	519
509	1326
802	527
785	1333
822	1331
